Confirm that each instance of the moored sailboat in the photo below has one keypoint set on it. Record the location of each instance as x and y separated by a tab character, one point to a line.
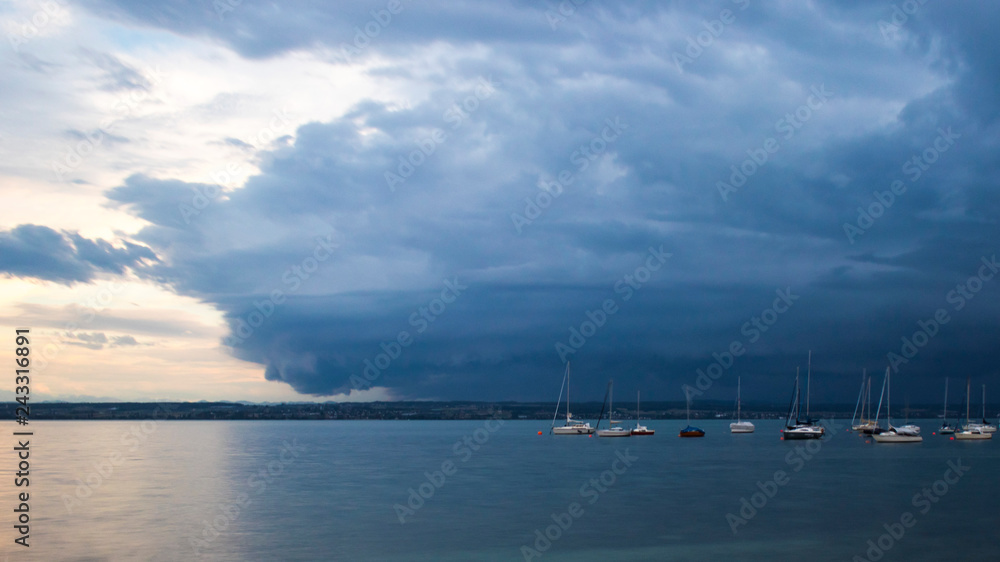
740	426
615	429
971	432
864	425
799	429
572	427
893	434
640	429
691	431
946	428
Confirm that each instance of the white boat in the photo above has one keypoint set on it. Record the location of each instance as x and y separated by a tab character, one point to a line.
640	429
572	426
866	426
615	429
946	428
984	426
739	426
800	429
971	432
903	434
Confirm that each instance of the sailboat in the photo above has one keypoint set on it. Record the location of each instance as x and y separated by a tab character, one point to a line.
893	434
799	430
739	426
640	429
691	431
613	429
985	426
971	432
572	426
946	428
908	428
864	399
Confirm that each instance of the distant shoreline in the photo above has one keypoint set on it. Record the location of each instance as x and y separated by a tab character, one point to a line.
457	410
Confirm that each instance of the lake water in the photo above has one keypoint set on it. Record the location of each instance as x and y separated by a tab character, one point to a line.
326	490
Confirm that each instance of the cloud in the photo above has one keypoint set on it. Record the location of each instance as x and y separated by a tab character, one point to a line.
43	253
538	167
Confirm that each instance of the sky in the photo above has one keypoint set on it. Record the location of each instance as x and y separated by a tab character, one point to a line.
242	200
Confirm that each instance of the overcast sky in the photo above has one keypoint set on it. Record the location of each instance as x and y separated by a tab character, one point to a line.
449	200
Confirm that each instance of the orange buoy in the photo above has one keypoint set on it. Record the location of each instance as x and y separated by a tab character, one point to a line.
539	432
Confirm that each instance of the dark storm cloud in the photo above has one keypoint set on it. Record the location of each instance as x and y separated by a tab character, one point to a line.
321	261
43	253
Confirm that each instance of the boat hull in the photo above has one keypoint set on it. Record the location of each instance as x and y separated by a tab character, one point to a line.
741	427
572	430
890	437
972	436
803	433
692	432
643	431
613	433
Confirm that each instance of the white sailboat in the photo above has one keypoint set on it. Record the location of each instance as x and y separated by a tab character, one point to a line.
740	426
572	426
946	428
864	401
983	426
908	428
640	429
615	429
971	432
800	429
893	434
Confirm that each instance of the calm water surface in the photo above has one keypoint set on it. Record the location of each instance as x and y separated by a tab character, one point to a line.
326	490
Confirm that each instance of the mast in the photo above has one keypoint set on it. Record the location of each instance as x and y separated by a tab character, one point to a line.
861	394
968	387
888	399
798	397
879	411
808	379
611	403
637	408
945	420
869	393
561	388
567	393
984	405
738	383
